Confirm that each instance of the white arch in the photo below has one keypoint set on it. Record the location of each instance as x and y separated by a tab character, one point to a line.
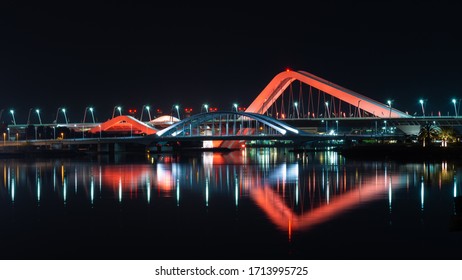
282	80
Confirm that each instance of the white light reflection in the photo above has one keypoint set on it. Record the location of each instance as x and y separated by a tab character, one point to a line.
65	190
207	191
389	194
455	186
120	189
12	189
54	178
296	192
148	188
37	180
177	191
236	191
92	188
100	179
75	180
421	193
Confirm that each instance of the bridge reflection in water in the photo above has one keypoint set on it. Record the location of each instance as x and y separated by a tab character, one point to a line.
296	192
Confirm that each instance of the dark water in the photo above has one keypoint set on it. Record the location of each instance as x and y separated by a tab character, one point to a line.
252	204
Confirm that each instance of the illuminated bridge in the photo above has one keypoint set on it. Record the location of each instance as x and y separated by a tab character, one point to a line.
311	109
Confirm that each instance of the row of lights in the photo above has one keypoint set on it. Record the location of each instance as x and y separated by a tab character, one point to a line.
456	103
119	109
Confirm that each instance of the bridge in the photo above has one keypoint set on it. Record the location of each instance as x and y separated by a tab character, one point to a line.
319	110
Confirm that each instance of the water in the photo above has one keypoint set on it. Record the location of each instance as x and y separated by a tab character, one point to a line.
262	203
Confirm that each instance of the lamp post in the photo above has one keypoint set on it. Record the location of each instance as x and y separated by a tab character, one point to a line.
142	111
92	115
99	130
178	111
57	113
296	109
454	101
336	122
64	113
12	115
327	109
85	114
235	106
421	101
389	105
38	114
28	116
206	108
118	108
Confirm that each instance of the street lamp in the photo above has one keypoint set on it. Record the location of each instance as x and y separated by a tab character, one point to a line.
389	105
296	109
64	113
92	116
85	114
38	114
206	108
177	111
12	115
421	101
118	108
28	116
327	109
142	111
454	101
57	113
235	106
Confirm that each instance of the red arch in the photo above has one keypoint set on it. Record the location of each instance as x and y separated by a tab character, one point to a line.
124	124
281	81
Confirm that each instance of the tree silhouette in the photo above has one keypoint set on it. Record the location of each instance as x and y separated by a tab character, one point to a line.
447	134
428	133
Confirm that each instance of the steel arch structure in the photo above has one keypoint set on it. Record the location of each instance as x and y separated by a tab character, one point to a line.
225	123
280	82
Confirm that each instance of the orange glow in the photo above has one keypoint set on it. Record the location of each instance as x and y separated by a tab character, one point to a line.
282	216
281	81
125	124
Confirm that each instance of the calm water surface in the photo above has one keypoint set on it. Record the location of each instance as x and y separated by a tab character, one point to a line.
253	204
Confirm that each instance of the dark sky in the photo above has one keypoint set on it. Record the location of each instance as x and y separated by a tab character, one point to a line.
76	54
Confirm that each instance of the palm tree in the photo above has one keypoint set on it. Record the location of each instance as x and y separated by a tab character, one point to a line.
428	132
447	134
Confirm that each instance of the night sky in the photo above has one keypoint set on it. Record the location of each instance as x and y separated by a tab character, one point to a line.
73	54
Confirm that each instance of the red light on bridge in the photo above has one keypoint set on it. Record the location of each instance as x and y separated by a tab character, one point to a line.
188	110
241	109
213	109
